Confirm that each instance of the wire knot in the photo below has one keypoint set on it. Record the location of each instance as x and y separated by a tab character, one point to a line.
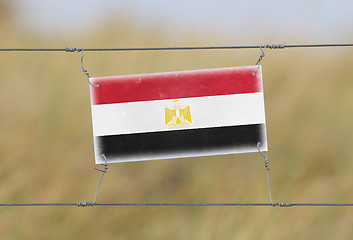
105	168
68	49
84	204
261	56
276	46
105	164
267	164
283	204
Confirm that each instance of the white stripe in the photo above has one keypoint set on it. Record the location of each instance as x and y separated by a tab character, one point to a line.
149	116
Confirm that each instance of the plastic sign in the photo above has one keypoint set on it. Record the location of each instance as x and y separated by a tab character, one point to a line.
178	114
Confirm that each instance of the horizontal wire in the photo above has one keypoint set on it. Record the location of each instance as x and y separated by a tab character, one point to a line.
86	204
35	204
272	46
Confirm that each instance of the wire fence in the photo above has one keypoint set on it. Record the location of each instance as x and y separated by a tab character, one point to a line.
262	47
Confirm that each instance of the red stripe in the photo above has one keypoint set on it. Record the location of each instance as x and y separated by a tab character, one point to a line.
158	86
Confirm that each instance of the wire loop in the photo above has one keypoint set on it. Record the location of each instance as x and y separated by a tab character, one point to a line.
105	164
260	59
263	48
84	70
263	154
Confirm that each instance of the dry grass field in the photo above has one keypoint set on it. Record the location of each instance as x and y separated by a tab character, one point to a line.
47	149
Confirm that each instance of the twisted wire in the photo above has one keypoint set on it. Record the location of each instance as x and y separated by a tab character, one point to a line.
263	154
103	172
82	67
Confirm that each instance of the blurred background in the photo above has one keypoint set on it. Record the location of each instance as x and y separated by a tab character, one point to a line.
46	141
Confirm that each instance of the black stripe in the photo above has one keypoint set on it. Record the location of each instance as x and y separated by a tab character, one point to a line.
203	140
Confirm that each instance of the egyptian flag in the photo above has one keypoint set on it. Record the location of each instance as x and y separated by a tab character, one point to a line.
178	114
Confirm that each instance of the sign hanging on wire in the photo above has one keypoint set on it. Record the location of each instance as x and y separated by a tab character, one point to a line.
178	114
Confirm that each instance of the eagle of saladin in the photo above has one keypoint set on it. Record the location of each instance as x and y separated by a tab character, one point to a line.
178	116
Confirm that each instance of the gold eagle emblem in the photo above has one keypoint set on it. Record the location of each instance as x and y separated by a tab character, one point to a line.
178	116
